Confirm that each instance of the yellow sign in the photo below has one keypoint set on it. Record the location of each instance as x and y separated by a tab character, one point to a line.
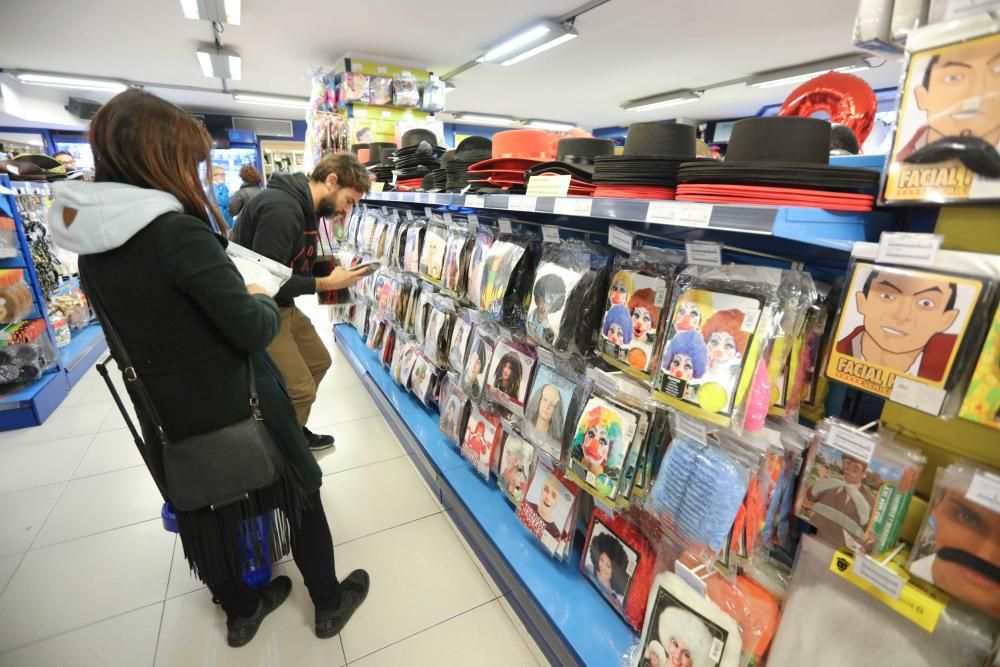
381	69
920	605
549	185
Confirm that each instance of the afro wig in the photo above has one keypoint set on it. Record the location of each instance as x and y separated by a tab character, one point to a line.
618	315
690	344
727	322
551	290
606	543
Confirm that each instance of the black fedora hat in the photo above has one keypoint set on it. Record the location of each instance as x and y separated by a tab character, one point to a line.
662	139
474	149
379	150
787	151
575	156
415	136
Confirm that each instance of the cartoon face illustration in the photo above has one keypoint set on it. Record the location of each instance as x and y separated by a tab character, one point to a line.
618	325
621	286
681	367
693	308
644	313
902	313
595	446
725	338
961	92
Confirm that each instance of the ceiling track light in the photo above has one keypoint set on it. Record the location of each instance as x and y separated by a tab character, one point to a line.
549	125
485	118
531	42
663	100
220	62
271	101
792	75
216	11
70	82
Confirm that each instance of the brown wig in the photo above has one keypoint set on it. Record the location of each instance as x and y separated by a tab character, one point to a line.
142	140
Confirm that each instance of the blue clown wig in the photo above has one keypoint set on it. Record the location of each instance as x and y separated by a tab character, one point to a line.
688	343
618	314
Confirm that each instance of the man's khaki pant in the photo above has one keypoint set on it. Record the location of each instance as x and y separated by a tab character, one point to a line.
302	358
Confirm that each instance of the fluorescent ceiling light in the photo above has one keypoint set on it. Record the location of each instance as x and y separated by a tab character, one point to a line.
662	101
270	101
483	118
217	11
792	75
532	41
71	82
550	125
220	63
449	87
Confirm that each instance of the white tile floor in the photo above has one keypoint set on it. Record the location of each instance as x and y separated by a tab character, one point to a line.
89	577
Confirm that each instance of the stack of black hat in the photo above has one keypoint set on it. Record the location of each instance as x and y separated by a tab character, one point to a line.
379	150
382	169
419	156
647	168
779	160
576	157
468	152
437	180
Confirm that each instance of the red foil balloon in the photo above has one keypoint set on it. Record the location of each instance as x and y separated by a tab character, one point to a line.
848	99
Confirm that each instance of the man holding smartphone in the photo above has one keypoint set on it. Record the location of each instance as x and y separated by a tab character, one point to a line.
282	223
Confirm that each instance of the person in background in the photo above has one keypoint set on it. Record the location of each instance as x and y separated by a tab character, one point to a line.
221	193
250	189
195	330
843	141
282	223
66	159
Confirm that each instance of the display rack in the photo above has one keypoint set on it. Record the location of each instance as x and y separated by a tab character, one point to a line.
31	404
570	623
808	235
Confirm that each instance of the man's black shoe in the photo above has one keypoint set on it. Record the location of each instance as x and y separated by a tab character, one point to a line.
316	441
241	630
353	592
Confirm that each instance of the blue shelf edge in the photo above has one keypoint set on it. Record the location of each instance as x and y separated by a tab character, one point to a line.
570	622
84	348
31	404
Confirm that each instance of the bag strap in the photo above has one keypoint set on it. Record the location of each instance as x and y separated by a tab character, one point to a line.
128	368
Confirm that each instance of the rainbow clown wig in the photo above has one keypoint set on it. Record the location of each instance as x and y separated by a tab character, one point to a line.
691	345
618	316
599	420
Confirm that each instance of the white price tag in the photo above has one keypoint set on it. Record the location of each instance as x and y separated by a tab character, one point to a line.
620	239
692	215
522	203
473	220
385	210
878	575
475	201
853	443
573	206
703	253
447	217
606	382
691	426
395	215
907	248
661	212
546	357
550	234
428	211
409	214
985	490
505	226
688	576
917	395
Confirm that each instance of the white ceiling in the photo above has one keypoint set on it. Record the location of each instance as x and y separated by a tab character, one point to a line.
627	49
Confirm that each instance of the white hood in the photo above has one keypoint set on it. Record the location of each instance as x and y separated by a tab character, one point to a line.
103	216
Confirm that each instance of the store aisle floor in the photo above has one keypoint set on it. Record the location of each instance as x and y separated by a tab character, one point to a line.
89	577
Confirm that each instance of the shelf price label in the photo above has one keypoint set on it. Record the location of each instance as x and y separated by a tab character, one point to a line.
660	212
581	206
522	203
447	217
550	234
692	215
475	201
473	221
428	211
908	248
505	226
409	214
703	253
620	239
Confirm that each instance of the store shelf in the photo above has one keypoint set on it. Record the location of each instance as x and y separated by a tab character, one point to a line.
84	348
801	234
31	404
569	621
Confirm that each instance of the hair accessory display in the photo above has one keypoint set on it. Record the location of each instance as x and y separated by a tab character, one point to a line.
16	302
549	509
510	376
515	467
482	439
25	351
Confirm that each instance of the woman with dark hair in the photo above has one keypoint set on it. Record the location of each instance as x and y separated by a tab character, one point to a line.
610	564
507	376
475	367
250	189
197	336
